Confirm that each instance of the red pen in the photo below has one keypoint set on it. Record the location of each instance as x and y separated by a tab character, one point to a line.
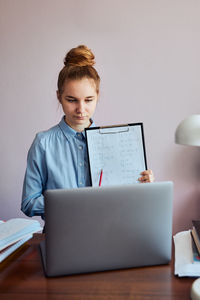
100	179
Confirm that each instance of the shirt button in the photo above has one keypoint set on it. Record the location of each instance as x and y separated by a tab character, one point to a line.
80	147
81	182
81	164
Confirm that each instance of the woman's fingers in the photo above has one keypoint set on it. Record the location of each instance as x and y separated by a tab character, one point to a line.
147	176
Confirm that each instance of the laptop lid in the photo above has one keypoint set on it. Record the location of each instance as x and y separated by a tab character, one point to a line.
95	229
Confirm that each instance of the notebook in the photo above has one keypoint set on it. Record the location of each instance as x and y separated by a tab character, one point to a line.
105	228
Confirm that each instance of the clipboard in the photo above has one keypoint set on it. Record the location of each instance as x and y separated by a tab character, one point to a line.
118	151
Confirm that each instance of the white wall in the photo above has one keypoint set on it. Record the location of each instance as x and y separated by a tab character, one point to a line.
148	56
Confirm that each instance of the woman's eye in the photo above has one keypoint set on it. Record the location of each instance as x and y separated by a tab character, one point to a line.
71	100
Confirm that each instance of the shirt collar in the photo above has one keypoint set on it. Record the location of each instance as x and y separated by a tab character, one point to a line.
68	131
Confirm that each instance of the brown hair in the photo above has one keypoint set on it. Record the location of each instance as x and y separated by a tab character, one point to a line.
78	63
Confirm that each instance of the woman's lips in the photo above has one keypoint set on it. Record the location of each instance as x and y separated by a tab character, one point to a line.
80	118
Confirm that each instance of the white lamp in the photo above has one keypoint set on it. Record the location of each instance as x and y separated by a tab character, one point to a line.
195	291
188	131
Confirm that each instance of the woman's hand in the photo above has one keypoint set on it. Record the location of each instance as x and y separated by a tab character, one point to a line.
147	176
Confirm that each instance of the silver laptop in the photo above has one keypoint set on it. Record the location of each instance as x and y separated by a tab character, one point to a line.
106	228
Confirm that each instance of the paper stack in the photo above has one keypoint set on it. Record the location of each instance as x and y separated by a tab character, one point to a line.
15	233
184	258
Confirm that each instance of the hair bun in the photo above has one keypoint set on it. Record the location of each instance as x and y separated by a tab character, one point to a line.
80	56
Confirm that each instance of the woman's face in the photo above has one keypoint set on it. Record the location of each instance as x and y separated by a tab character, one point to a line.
78	100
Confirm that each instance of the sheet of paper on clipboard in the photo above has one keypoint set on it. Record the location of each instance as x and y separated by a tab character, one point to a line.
119	151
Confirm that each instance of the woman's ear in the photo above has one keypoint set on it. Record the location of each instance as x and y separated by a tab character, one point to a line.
98	96
58	96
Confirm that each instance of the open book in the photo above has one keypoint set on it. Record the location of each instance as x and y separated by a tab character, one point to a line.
10	249
14	233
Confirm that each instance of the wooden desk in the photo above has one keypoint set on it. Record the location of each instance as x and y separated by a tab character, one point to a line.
22	277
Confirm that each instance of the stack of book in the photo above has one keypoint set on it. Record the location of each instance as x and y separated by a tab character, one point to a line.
195	232
14	233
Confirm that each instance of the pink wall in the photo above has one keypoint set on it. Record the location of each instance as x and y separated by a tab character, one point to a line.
147	54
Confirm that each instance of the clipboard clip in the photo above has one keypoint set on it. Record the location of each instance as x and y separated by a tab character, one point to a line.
102	129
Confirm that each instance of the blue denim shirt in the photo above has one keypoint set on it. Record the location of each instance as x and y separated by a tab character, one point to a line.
57	159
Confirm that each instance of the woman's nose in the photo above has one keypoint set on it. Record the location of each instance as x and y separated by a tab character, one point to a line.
80	107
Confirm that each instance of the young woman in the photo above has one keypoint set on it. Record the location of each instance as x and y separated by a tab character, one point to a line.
57	158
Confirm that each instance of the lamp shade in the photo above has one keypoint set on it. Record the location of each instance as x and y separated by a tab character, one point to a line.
188	131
